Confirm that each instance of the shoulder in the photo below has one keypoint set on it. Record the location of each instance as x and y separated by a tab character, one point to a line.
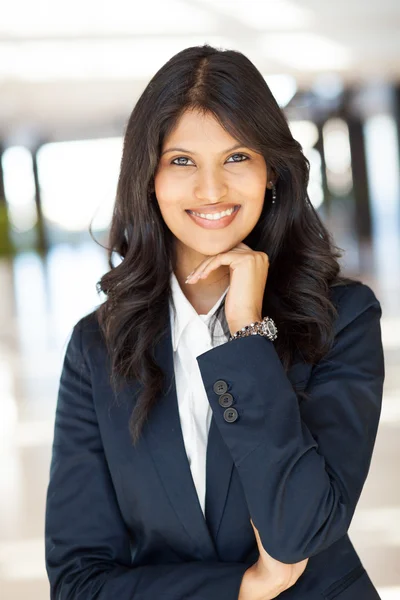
87	335
351	300
88	323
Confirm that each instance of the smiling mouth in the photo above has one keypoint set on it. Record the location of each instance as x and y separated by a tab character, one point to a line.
214	216
214	223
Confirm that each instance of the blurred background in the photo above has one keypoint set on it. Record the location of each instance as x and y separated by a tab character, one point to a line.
70	74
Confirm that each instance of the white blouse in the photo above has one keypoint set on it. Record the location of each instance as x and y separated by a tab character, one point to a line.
191	337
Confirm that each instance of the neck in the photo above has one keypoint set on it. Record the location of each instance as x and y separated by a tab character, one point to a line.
203	294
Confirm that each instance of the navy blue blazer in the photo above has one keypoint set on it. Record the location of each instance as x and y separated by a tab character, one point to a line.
125	523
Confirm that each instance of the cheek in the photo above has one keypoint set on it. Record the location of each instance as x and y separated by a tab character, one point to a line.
256	180
250	183
171	204
169	192
170	209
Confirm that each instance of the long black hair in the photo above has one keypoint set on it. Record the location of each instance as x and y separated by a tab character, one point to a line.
303	259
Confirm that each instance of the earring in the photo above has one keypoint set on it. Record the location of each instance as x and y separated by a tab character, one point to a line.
273	192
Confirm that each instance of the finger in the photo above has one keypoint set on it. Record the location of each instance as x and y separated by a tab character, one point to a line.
225	258
199	268
207	266
213	262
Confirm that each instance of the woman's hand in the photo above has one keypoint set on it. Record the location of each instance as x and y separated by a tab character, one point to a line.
248	276
268	578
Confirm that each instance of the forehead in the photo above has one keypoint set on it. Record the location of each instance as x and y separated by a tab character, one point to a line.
194	127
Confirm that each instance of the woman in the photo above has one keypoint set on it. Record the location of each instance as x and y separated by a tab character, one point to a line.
213	434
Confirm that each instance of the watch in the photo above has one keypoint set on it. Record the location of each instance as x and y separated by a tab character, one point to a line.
266	328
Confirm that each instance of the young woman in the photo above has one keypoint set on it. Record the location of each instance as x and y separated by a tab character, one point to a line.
213	434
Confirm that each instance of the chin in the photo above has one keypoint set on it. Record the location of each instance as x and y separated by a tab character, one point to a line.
211	249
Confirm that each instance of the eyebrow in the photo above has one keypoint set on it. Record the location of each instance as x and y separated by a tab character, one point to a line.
191	152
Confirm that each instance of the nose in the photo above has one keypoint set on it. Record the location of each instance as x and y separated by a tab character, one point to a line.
210	186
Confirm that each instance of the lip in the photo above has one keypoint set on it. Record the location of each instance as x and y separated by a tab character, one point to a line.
217	224
213	208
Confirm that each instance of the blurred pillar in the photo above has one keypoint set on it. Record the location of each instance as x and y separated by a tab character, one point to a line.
362	212
327	203
6	246
396	112
42	243
374	103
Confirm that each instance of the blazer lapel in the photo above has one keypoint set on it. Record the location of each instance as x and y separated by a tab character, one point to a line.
164	438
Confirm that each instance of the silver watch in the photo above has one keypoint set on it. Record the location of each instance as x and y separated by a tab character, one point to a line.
266	327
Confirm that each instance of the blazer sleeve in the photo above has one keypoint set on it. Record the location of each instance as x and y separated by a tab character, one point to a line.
87	547
303	465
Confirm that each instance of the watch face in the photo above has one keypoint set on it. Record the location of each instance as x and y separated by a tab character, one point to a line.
270	328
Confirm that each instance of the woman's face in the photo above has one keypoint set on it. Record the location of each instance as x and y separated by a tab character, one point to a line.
203	175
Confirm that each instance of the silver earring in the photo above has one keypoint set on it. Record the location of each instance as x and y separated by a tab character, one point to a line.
273	192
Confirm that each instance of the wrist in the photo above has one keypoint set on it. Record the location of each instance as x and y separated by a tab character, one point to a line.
258	584
265	327
247	585
234	326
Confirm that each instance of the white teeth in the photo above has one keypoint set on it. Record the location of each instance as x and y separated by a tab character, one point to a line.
214	216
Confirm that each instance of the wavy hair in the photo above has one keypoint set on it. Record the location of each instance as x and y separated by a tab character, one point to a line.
303	259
